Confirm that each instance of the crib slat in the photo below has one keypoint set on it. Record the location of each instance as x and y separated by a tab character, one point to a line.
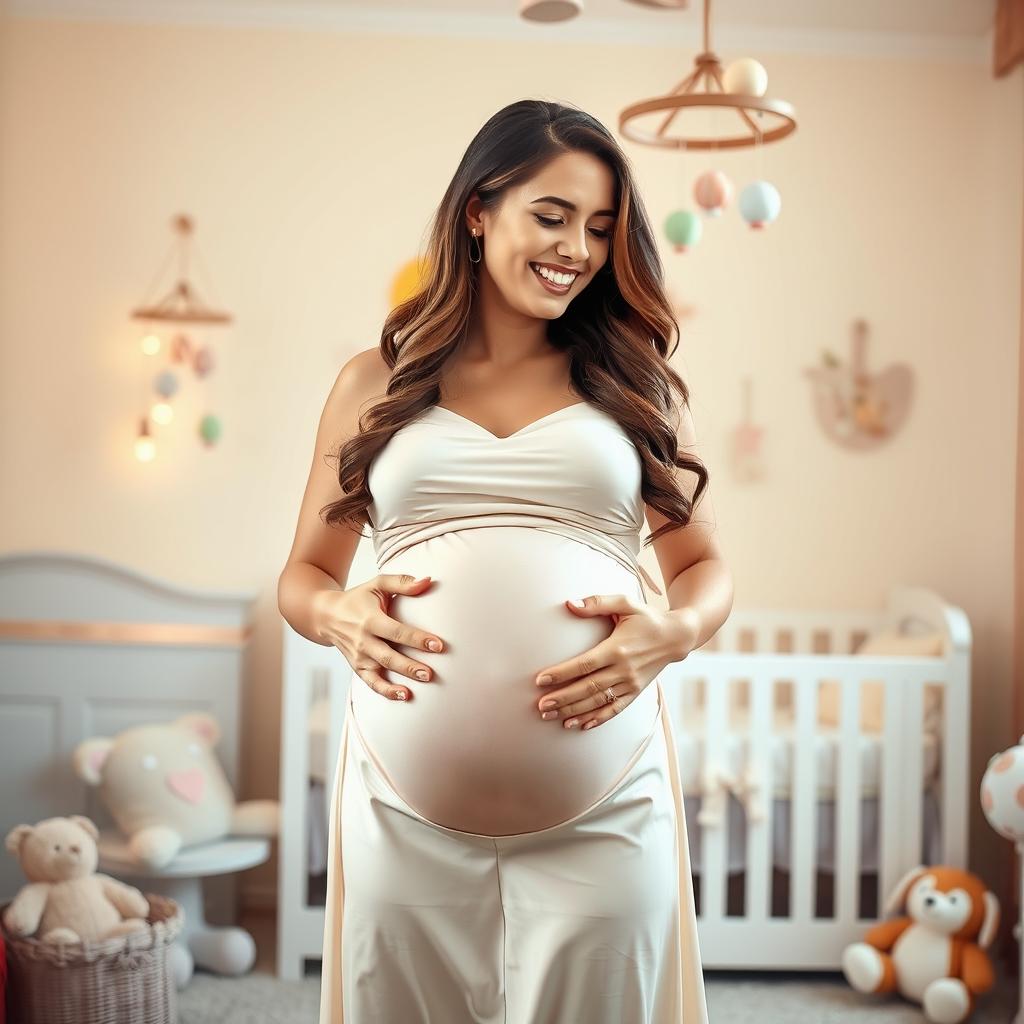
913	775
848	802
955	737
759	835
804	844
891	861
713	865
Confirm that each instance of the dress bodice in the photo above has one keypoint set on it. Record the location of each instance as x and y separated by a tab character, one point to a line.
574	472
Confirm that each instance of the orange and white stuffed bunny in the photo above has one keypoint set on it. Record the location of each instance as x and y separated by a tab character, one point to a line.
934	954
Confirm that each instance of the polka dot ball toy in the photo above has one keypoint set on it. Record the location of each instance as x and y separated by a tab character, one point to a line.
1002	792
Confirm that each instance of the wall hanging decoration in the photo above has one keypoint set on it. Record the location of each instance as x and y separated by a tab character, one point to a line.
746	456
180	312
740	88
855	408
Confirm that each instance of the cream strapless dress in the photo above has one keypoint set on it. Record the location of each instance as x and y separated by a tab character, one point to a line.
486	865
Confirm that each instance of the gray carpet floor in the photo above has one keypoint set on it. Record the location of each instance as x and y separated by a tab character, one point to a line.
733	997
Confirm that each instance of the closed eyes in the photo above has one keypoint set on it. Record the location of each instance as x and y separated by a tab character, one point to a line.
551	222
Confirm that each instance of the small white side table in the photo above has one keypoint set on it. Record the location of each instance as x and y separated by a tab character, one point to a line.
222	950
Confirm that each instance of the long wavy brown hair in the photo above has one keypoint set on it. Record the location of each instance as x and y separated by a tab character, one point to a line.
616	332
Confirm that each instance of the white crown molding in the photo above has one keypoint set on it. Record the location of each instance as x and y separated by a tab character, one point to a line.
729	39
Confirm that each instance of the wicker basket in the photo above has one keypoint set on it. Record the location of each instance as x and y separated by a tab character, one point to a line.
110	982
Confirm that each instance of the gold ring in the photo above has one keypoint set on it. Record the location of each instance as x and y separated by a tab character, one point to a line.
608	693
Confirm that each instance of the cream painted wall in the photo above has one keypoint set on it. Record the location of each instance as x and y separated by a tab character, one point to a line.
312	163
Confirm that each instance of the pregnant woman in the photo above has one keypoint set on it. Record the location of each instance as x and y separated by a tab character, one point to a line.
507	839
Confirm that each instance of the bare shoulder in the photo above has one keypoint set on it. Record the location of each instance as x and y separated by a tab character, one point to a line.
360	384
370	364
365	377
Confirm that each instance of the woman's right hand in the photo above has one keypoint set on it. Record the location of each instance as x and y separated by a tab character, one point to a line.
357	622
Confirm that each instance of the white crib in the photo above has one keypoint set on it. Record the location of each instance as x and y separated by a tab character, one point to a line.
798	825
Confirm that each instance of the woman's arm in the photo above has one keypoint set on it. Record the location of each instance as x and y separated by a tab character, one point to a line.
321	556
698	583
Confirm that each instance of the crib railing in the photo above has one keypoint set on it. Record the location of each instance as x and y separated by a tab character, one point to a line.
801	940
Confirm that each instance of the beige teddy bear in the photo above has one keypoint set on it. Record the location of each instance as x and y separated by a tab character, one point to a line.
65	901
166	789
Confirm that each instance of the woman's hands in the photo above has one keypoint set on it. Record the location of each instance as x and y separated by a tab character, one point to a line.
642	643
356	621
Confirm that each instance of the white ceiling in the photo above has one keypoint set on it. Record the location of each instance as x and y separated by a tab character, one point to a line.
950	28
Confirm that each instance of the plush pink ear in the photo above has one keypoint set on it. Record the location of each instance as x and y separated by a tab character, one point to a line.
203	725
89	758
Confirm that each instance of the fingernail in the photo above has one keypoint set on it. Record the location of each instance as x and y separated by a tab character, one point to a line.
572	723
541	680
400	695
548	704
434	645
549	715
420	674
577	604
591	724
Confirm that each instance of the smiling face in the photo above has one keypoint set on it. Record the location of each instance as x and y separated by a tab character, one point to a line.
561	218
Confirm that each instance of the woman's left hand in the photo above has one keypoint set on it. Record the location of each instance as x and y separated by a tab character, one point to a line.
642	643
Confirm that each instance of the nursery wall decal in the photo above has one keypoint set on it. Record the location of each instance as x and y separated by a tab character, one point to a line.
857	408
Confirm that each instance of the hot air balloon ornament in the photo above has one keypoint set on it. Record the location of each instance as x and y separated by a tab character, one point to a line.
203	361
683	228
760	204
181	349
713	191
745	76
165	384
210	429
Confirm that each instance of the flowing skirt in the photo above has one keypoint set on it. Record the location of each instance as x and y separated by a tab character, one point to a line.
592	919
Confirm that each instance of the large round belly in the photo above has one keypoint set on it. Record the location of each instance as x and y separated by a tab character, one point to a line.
469	750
